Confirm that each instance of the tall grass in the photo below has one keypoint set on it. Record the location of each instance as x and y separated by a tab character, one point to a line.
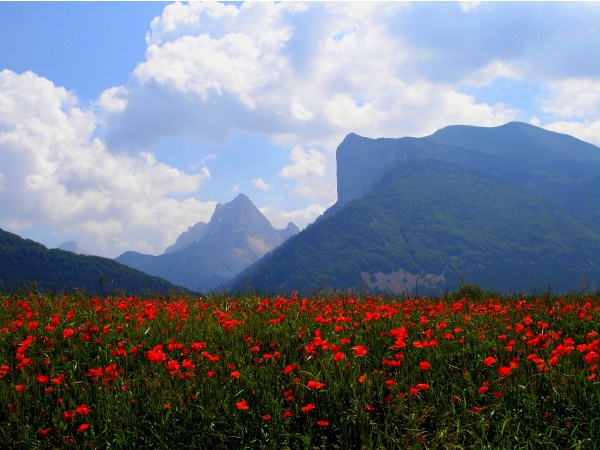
331	371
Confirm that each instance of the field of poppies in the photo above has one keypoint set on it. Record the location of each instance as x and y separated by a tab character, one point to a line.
331	371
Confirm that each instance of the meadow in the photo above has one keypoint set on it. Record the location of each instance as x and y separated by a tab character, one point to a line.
336	370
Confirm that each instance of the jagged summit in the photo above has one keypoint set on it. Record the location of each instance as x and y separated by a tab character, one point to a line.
209	254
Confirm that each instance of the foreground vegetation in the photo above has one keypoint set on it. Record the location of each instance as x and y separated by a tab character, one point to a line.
331	371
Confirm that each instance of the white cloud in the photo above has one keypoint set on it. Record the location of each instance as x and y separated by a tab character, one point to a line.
300	217
577	99
113	100
311	174
63	176
304	75
467	6
494	70
572	97
259	183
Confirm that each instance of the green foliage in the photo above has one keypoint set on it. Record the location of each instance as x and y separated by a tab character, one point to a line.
96	353
23	262
431	217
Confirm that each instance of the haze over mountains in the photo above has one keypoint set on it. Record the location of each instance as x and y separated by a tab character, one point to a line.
508	208
505	207
208	255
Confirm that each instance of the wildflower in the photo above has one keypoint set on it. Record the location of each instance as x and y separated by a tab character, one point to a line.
338	356
42	379
422	386
68	415
424	365
266	417
360	350
287	414
20	387
235	375
242	405
44	431
504	371
323	423
314	384
83	427
308	408
489	361
83	409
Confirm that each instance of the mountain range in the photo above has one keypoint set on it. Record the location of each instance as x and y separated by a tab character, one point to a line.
508	208
209	254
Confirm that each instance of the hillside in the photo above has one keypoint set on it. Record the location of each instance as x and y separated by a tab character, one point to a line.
429	223
208	255
23	261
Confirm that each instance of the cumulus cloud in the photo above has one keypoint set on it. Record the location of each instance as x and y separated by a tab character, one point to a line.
300	217
310	173
259	183
61	175
303	74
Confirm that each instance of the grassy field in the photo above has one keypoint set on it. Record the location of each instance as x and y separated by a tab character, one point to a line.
331	371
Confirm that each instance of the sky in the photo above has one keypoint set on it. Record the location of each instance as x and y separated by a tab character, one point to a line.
124	123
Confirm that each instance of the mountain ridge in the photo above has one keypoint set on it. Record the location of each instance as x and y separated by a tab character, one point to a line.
207	256
531	244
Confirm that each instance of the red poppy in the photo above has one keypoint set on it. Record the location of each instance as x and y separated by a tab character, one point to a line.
504	371
314	384
422	386
323	423
235	375
242	405
338	356
490	360
287	414
308	408
83	409
83	427
424	365
360	350
45	431
68	415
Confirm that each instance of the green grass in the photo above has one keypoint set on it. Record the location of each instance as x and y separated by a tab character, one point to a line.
382	399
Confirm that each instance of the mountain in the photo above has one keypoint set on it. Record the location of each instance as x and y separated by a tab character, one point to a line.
71	246
207	255
23	261
467	203
546	163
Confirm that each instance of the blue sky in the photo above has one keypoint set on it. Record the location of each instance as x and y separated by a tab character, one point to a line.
123	123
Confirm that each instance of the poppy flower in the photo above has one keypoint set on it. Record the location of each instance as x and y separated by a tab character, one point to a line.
323	423
287	414
308	408
490	360
83	427
235	375
504	371
44	431
422	386
83	409
314	384
242	405
360	350
338	356
424	365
